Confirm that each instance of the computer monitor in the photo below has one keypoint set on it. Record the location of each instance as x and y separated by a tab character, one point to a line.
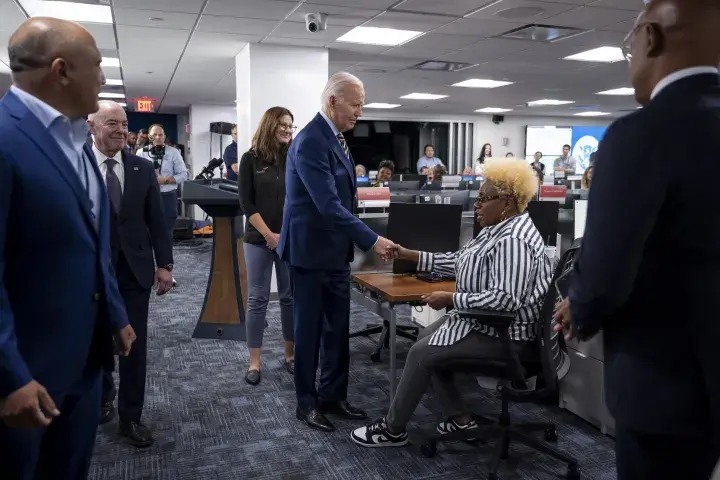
445	197
396	177
402	198
580	216
451	181
363	181
414	177
469	185
404	185
434	186
545	217
430	228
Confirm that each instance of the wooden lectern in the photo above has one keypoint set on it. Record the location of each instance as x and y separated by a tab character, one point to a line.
223	312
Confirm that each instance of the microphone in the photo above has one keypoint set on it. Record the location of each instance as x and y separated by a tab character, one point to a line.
208	171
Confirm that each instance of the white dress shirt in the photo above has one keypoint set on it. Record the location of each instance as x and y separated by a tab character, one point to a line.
119	168
679	75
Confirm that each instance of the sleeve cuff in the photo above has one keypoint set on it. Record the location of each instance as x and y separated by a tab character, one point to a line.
373	245
460	301
425	262
11	380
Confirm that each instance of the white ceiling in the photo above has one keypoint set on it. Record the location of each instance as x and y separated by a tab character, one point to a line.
188	56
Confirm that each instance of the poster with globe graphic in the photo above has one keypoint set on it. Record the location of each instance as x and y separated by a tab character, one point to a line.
585	141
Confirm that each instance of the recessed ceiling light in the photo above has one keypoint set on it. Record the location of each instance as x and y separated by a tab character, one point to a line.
113	82
481	83
618	91
601	54
110	62
423	96
493	110
381	105
378	36
72	11
545	102
111	95
591	114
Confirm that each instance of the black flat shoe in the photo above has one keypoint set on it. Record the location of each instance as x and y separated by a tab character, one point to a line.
137	434
343	409
289	365
107	412
314	418
252	377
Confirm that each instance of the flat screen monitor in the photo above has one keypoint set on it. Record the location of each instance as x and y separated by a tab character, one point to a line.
414	177
429	228
545	217
404	185
433	186
402	198
446	198
363	181
580	216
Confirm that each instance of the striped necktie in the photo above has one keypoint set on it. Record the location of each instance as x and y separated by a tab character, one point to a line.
343	145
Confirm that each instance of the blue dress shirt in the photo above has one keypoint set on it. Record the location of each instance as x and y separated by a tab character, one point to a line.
171	165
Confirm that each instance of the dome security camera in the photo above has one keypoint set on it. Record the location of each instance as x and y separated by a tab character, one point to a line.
315	22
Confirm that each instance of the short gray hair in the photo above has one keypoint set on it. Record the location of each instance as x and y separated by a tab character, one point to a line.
103	105
335	86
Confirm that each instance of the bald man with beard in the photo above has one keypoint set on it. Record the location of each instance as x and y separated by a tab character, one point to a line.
59	298
648	274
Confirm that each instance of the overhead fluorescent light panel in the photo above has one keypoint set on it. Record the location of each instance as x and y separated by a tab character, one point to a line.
548	102
381	105
72	11
423	96
541	33
113	82
110	62
600	55
390	37
111	95
592	114
493	110
440	66
618	91
481	83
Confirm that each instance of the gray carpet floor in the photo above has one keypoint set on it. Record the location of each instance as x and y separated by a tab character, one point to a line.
209	424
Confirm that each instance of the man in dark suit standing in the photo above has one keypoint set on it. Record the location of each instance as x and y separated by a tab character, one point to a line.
54	231
137	229
316	239
648	274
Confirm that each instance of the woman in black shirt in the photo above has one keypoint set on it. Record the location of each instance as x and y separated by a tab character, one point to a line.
261	184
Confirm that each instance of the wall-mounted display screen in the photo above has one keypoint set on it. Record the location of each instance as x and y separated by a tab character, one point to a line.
550	139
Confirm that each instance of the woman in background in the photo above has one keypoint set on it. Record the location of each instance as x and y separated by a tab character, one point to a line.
435	174
485	153
586	178
261	183
385	173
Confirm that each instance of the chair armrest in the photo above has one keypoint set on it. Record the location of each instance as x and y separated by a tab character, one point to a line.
492	318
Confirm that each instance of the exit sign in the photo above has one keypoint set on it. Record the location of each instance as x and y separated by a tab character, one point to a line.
144	104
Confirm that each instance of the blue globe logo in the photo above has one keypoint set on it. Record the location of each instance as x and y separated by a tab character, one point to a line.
582	151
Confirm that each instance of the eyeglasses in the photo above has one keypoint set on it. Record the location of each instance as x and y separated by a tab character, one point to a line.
627	41
486	198
286	126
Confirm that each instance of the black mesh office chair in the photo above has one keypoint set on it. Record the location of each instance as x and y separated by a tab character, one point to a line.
548	361
409	332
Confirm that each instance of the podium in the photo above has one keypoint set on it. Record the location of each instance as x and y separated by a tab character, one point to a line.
223	312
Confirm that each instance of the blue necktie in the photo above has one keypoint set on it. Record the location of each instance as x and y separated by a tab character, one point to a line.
343	145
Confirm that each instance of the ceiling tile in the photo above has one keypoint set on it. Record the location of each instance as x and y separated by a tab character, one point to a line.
142	18
480	28
432	45
182	6
350	17
294	42
448	7
239	26
409	21
297	30
216	45
521	11
620	4
263	9
10	16
104	35
357	47
591	17
373	4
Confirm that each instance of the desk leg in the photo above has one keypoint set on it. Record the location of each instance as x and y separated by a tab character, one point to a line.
393	360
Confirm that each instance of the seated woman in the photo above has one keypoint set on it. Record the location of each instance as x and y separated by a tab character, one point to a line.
586	178
435	174
504	268
385	173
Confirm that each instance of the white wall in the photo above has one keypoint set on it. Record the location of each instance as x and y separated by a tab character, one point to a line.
512	128
199	152
183	137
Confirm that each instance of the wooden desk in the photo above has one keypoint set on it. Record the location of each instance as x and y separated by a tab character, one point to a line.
380	292
400	288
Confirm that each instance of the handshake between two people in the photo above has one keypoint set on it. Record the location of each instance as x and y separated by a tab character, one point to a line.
388	250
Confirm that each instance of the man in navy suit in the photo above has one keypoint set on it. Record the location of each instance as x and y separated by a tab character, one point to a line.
59	299
317	237
137	229
648	274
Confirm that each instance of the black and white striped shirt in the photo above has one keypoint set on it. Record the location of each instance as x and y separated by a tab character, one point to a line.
504	268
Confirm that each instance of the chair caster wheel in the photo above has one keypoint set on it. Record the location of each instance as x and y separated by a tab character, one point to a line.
375	357
428	450
573	473
551	435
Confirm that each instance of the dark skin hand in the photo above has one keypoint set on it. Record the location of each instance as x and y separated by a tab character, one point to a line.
562	318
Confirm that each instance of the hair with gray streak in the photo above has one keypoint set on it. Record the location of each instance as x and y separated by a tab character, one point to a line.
335	87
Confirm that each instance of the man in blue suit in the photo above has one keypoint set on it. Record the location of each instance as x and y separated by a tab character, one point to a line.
317	237
648	274
59	299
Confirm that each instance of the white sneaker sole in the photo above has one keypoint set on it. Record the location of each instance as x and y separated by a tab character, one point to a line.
379	445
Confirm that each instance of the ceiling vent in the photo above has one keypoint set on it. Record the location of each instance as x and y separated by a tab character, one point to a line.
541	33
439	66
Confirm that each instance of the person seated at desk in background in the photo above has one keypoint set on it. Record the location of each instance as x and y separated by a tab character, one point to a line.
504	268
586	178
428	160
466	172
565	163
435	174
424	171
360	170
385	173
538	166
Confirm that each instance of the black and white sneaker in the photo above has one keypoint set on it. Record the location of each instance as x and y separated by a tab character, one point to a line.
450	425
377	435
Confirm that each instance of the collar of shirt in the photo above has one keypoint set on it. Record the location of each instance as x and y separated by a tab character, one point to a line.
335	130
101	157
494	229
679	75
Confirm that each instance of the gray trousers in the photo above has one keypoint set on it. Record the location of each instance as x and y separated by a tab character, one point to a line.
420	371
259	260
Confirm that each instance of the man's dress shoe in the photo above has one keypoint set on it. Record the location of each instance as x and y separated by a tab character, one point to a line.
343	409
137	434
314	418
107	412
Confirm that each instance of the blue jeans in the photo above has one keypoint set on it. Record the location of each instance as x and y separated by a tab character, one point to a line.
259	260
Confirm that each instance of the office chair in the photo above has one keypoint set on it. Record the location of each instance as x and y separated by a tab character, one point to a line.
548	360
409	332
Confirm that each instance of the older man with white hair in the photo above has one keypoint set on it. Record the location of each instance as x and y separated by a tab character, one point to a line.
137	229
317	237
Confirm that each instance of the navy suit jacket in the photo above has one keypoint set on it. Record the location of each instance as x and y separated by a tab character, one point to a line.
59	298
319	227
648	273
